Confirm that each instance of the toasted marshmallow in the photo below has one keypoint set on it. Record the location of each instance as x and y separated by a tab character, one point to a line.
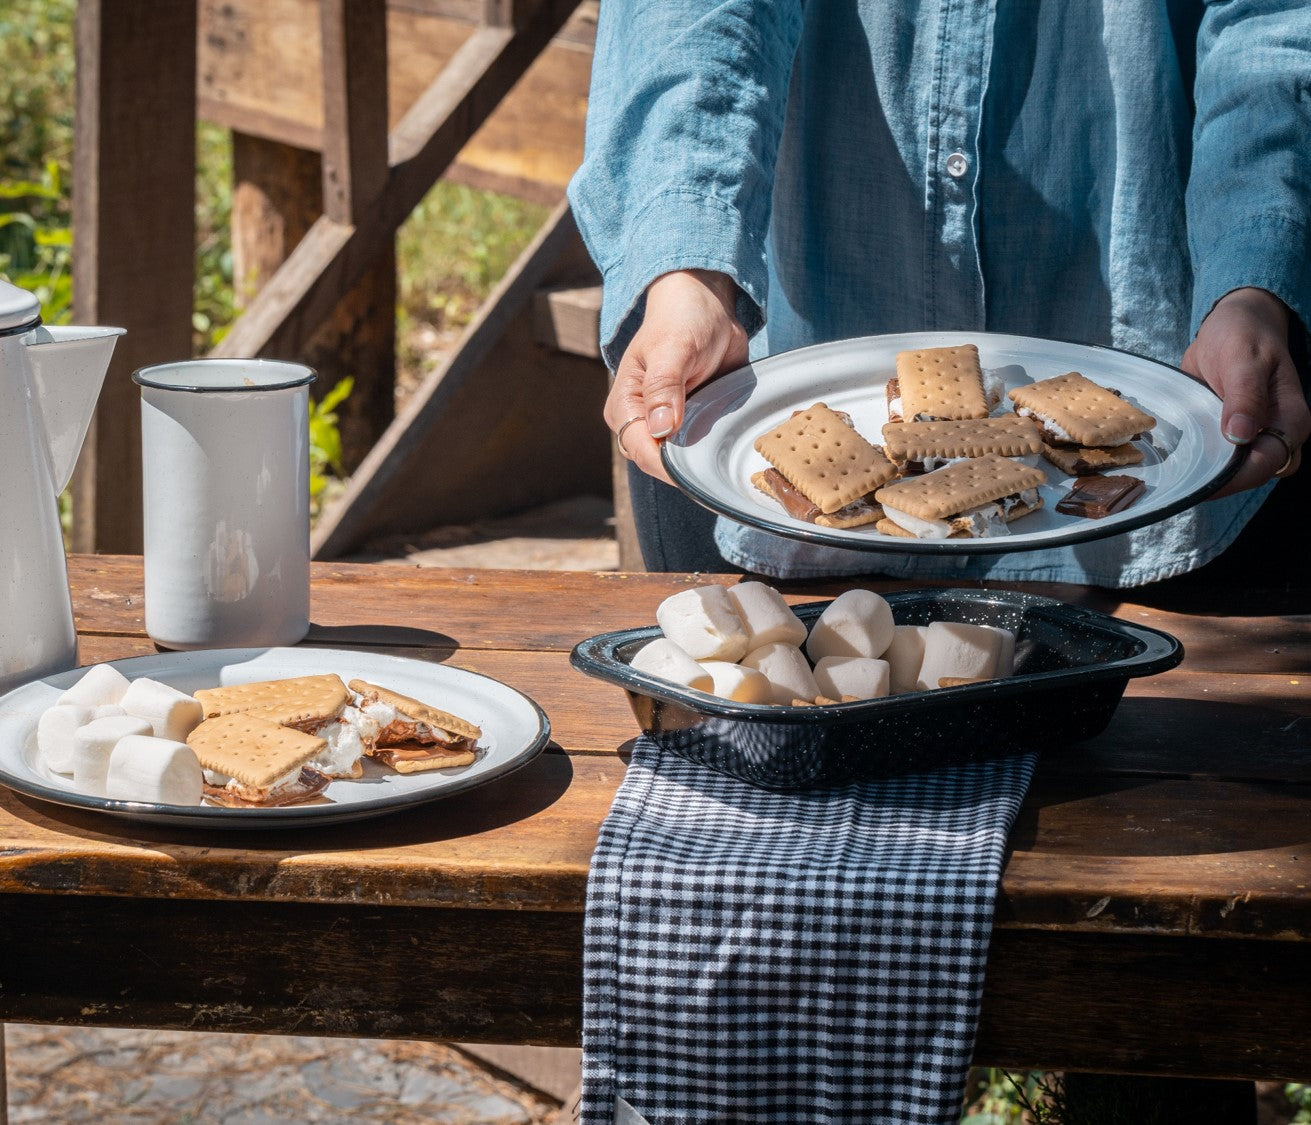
855	623
960	651
766	614
737	682
905	655
704	623
353	734
101	683
93	744
664	659
55	731
786	669
853	677
172	714
158	770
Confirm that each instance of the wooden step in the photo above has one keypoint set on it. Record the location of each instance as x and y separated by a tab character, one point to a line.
568	319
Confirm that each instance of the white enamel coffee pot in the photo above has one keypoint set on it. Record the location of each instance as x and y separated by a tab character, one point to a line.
50	379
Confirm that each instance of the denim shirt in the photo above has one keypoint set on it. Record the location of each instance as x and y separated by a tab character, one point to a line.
1101	173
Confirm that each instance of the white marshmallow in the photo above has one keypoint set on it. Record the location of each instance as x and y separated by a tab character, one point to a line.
54	734
960	650
855	623
159	770
172	714
766	614
737	682
92	746
105	710
787	671
1005	658
861	677
101	683
666	661
703	623
905	655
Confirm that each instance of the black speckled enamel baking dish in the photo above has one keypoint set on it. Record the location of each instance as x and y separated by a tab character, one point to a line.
1071	668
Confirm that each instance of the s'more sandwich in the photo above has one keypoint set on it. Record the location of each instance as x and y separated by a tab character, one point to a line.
921	447
249	761
315	705
932	384
1085	427
970	499
822	471
411	736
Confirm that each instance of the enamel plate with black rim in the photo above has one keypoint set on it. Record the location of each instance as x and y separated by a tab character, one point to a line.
514	731
712	457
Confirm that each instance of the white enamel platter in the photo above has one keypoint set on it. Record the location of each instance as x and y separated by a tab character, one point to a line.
712	458
514	730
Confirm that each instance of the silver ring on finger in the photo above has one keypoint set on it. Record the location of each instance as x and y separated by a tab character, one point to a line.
1289	451
619	435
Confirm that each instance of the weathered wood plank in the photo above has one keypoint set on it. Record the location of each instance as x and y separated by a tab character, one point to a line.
437	606
134	213
496	429
354	38
568	318
1051	1000
333	256
260	74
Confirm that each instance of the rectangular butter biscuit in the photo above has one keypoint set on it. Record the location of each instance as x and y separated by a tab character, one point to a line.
824	458
1009	435
1073	410
960	487
941	383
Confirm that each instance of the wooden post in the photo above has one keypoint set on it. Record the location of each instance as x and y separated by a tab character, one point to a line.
281	190
276	198
134	173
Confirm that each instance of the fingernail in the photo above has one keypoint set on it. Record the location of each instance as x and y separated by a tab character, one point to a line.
660	422
1242	430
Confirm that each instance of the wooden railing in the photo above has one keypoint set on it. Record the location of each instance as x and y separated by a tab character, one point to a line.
134	197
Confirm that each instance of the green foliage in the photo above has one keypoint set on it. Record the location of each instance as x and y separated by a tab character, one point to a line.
325	442
36	242
456	245
214	309
1001	1098
1299	1099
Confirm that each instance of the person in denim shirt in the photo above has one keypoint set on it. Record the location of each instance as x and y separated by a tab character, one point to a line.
759	176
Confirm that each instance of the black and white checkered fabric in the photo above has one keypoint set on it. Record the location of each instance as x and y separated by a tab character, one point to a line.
754	956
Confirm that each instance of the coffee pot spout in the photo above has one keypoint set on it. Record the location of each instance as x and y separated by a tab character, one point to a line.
68	367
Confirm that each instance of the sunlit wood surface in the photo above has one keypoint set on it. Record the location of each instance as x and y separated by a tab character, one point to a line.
1154	915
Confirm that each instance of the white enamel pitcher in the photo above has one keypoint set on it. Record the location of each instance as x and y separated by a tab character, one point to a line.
50	379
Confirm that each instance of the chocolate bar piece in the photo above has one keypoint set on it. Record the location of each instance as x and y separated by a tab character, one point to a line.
1099	496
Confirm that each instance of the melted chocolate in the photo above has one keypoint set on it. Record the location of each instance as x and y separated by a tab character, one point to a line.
1097	496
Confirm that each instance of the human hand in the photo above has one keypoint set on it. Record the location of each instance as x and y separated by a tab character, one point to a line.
1241	351
689	335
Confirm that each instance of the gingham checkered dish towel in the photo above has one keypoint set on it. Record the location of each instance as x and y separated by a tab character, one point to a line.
754	956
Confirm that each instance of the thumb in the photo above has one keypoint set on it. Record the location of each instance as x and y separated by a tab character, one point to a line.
668	367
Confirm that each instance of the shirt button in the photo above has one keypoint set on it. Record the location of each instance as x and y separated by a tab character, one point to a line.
957	165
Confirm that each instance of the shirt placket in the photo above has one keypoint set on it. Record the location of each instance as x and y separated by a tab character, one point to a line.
953	289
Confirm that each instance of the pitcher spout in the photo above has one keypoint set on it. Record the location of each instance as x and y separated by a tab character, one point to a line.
68	369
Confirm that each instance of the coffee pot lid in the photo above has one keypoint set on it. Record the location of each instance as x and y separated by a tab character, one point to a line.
18	307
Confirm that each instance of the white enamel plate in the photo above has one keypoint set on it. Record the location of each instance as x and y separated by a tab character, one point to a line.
514	730
712	457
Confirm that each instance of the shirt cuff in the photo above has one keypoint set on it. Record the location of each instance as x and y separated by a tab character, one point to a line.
1271	252
680	230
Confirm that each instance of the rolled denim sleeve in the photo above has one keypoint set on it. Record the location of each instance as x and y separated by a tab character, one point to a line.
1249	192
684	119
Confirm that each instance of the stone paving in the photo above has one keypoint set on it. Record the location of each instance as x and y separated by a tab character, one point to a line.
71	1075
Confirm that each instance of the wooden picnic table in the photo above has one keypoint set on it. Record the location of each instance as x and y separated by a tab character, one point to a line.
1154	916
